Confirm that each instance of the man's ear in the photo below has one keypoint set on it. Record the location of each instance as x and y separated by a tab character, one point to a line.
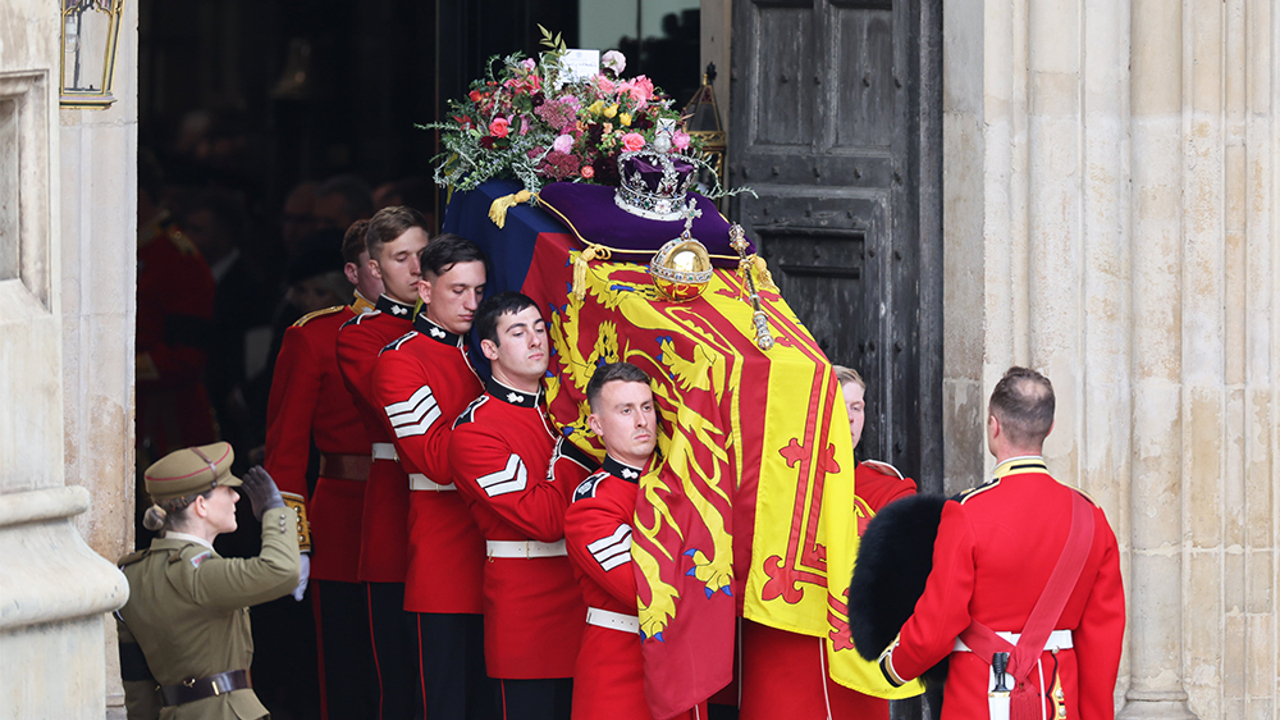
424	290
489	348
352	271
375	268
593	423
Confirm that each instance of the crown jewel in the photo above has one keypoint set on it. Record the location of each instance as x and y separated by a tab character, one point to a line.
653	180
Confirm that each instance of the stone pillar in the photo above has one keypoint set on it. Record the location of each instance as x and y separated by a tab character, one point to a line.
98	181
1155	587
1109	193
56	590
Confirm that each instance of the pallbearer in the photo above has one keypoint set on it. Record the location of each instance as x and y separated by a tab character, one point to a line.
422	382
609	681
395	237
501	451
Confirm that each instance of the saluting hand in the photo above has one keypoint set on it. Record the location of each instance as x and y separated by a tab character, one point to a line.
261	490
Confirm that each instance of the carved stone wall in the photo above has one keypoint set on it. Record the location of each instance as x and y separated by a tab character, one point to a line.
66	369
1109	194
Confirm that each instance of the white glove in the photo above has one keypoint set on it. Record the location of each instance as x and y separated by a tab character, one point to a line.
304	574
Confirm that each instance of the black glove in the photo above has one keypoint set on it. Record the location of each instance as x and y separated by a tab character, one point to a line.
261	490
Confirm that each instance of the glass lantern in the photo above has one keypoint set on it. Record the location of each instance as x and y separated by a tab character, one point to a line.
90	31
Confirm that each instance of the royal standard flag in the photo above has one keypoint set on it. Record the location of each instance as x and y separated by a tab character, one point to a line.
752	510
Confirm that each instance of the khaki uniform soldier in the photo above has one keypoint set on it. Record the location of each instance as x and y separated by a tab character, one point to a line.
185	643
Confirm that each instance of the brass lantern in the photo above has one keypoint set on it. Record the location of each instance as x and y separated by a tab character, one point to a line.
703	121
90	31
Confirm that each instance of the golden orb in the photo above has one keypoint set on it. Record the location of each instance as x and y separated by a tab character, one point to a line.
681	269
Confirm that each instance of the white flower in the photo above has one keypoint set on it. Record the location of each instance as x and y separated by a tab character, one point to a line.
615	61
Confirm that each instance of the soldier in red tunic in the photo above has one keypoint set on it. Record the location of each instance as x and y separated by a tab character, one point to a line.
608	682
395	237
996	548
308	404
174	329
423	381
501	452
785	673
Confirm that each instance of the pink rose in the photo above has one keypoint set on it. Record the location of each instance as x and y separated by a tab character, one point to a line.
588	172
680	140
606	85
632	142
614	61
640	89
498	128
528	64
563	144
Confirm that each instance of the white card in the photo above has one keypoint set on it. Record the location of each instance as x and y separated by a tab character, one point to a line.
580	64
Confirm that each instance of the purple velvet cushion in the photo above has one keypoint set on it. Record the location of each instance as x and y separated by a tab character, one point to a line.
590	213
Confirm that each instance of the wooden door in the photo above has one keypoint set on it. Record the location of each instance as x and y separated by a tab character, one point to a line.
836	125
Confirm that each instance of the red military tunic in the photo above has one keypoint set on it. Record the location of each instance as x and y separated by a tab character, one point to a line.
996	546
533	613
174	327
422	382
878	484
309	401
608	683
785	673
385	520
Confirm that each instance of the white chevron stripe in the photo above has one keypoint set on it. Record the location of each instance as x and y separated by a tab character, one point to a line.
427	405
613	550
420	428
511	478
411	403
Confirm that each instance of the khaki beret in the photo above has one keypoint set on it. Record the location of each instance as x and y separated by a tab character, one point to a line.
191	470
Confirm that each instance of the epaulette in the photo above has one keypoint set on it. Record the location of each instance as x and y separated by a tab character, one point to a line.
181	241
587	488
133	557
884	468
1086	495
470	413
359	318
315	314
566	449
966	495
395	344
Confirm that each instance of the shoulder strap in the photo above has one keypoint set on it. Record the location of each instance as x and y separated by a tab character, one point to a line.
1048	609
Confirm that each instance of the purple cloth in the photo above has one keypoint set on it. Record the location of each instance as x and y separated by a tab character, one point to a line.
589	211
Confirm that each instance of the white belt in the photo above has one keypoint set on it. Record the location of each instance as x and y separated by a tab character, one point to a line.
418	481
524	549
1058	640
613	620
385	451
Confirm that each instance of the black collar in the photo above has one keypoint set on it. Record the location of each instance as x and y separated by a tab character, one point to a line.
435	332
511	396
621	470
394	308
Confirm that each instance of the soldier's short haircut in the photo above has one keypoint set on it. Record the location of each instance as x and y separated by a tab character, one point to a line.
619	371
846	375
445	251
355	192
353	241
495	307
1023	402
390	223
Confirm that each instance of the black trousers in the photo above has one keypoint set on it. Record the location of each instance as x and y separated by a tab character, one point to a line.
395	657
454	683
545	699
346	653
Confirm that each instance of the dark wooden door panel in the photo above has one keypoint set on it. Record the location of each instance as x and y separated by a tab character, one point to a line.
828	128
